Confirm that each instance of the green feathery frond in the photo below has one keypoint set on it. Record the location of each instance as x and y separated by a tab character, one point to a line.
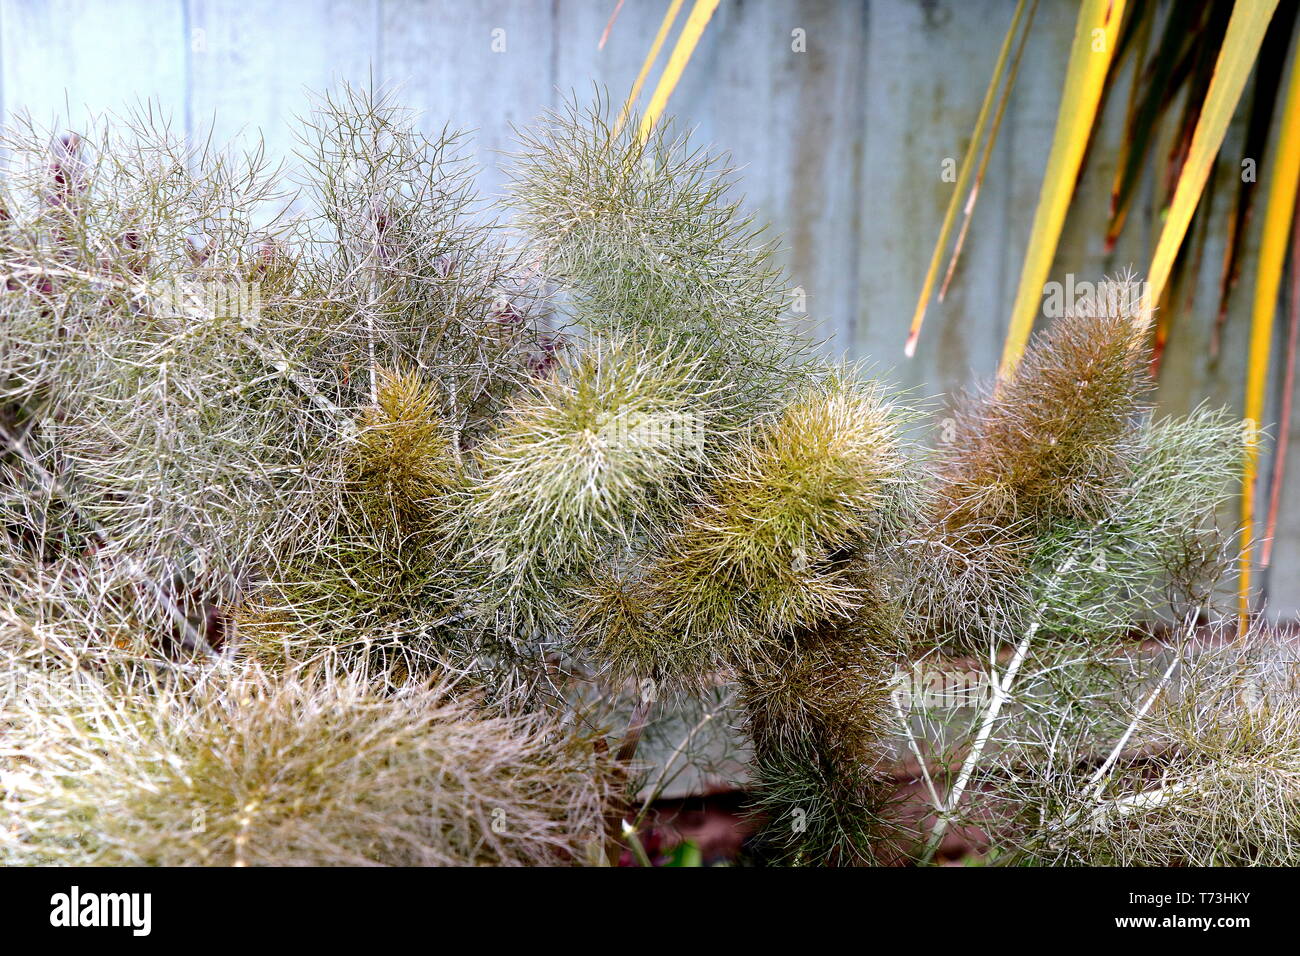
383	542
644	238
584	462
235	767
403	466
818	714
1210	778
1055	446
765	551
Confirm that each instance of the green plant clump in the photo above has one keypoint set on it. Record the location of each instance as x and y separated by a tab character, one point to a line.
351	536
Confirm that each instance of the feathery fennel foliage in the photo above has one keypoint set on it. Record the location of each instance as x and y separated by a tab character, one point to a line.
383	479
585	462
236	768
643	238
1093	524
1207	777
768	546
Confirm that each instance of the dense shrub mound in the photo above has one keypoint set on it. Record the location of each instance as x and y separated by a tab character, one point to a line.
343	537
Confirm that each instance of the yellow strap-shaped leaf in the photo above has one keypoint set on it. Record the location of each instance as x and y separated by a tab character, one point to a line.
1246	29
963	180
1274	239
1090	56
969	211
664	27
681	55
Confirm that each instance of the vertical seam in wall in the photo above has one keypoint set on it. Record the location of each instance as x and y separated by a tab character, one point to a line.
187	46
1007	292
377	45
855	316
4	106
555	54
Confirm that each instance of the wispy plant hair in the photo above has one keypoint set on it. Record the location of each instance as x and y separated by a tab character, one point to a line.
238	768
1207	777
818	715
644	238
584	463
1040	485
764	553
